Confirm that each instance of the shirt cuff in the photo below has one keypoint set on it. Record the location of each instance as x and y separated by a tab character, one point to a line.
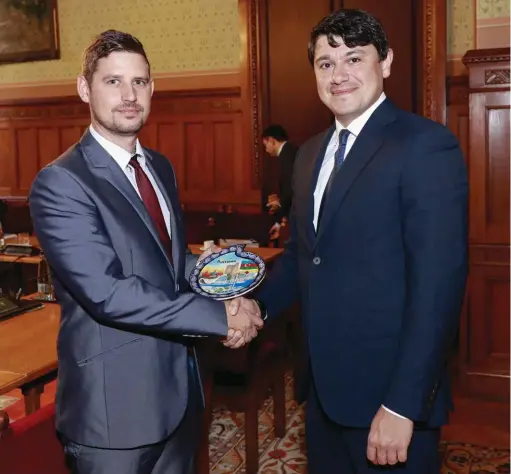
394	413
262	308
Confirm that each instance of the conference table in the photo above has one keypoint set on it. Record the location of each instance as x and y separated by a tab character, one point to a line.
19	240
28	344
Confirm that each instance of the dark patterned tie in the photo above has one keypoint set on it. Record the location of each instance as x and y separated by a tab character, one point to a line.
152	205
338	161
341	149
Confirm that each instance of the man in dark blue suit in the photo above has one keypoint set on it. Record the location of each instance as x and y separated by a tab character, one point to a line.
378	257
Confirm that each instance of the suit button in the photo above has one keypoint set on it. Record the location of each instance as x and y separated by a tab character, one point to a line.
316	260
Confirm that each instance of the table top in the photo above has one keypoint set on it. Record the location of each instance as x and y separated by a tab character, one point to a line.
28	346
20	240
9	381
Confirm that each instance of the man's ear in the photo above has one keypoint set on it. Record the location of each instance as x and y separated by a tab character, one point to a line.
83	89
386	63
152	86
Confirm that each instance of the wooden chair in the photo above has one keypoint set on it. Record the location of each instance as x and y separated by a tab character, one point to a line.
30	445
242	379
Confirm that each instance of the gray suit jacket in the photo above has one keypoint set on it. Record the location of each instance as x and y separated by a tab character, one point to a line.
125	309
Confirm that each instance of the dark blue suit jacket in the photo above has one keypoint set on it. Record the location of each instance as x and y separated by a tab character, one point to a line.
123	365
382	281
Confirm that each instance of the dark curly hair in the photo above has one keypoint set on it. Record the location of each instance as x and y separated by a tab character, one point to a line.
355	27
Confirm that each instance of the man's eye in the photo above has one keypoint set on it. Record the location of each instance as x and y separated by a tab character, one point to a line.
112	81
325	66
140	83
354	60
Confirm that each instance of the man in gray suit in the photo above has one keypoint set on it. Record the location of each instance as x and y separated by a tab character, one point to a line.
108	218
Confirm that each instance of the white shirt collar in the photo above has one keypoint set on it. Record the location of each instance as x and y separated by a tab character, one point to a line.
357	125
280	148
120	155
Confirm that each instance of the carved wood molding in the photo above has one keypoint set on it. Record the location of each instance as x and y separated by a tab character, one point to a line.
249	11
178	103
432	64
254	75
488	68
496	76
477	56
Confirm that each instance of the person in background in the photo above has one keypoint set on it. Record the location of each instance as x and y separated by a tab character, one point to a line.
275	141
378	257
108	218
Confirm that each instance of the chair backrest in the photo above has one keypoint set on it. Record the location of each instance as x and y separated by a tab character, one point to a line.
30	445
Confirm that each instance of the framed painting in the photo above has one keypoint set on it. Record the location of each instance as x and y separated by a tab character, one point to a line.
28	30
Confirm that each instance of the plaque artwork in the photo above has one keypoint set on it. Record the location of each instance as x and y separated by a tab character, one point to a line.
227	274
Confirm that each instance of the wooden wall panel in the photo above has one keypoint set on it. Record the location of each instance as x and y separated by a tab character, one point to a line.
48	142
457	110
170	142
224	158
199	131
198	172
484	335
27	148
7	163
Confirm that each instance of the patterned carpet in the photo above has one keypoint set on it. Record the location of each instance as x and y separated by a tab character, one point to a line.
287	455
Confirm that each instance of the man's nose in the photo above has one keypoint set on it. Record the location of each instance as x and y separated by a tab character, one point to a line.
339	74
129	93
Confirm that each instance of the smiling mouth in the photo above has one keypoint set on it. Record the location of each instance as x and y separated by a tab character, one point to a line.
342	91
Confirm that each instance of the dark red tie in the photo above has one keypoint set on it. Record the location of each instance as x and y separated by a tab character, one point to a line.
148	195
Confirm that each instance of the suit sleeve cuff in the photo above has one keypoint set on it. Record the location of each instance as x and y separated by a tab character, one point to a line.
394	413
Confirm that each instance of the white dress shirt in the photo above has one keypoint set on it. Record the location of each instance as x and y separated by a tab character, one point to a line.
327	166
122	158
355	128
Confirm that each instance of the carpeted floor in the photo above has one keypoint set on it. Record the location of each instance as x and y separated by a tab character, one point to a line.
287	455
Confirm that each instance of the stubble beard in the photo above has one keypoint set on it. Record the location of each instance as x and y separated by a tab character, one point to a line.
117	128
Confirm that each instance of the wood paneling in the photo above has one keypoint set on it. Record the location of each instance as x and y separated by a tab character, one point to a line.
198	131
457	110
484	335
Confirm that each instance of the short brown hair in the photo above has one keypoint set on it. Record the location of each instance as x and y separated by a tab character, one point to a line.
104	44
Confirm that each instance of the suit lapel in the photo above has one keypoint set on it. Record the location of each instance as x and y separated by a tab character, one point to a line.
112	174
367	144
312	175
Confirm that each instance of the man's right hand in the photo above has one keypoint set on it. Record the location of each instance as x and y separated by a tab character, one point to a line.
244	320
275	231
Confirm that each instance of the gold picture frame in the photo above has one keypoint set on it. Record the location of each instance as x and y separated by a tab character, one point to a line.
28	31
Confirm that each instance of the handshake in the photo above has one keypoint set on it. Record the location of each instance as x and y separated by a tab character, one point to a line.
244	321
243	315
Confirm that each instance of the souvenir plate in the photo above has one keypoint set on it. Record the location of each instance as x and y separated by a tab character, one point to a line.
227	274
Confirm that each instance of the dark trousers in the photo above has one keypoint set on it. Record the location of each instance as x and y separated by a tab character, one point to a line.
174	455
333	448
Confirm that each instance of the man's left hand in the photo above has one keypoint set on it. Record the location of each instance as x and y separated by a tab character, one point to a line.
389	438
